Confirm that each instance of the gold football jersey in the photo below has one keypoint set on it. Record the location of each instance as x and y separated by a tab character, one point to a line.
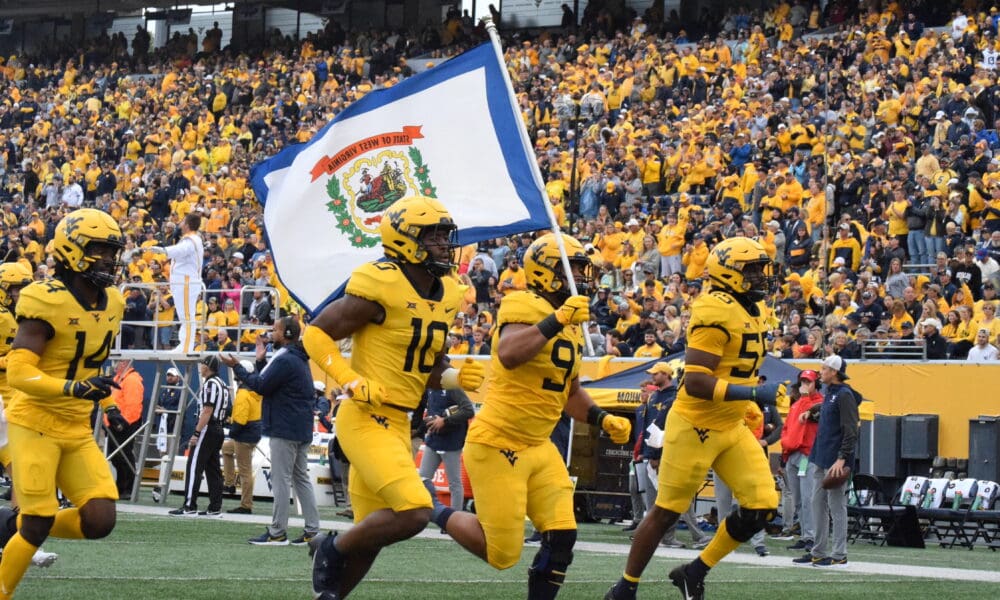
523	404
721	326
8	329
400	352
82	342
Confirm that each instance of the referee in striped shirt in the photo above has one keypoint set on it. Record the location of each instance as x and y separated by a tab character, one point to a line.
214	405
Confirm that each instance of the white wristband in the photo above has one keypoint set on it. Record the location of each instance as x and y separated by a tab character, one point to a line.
449	379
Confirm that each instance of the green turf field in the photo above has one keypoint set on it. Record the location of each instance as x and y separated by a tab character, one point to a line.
189	558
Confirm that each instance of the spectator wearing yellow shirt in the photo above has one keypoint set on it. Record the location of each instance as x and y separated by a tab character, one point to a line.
214	317
899	316
634	234
626	317
651	171
222	342
846	247
789	191
35	224
670	242
161	307
989	320
138	268
628	257
512	278
610	242
695	257
457	344
218	219
844	307
895	212
650	347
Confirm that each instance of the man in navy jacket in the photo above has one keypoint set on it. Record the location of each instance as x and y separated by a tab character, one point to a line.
286	385
832	456
446	422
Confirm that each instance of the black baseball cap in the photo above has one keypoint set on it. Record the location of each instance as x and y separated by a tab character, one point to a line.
212	362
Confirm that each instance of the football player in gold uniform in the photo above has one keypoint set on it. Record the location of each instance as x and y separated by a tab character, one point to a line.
512	464
66	327
704	429
13	277
397	312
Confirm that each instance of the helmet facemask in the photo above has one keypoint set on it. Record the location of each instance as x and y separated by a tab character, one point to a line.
432	245
759	279
583	276
102	271
11	293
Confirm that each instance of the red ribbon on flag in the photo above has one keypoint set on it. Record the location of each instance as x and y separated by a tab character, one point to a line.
330	164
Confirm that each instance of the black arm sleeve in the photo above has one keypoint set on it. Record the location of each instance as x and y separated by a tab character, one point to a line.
848	423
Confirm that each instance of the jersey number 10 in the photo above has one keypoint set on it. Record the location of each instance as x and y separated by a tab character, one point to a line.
425	363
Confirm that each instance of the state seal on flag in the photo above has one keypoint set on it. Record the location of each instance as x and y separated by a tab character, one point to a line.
367	176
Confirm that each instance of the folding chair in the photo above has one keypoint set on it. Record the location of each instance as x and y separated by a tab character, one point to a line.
948	522
913	491
984	515
870	510
933	500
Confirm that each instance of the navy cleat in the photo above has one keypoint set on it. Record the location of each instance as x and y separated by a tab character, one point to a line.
327	566
692	589
622	591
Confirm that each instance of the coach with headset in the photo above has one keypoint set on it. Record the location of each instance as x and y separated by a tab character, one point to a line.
286	385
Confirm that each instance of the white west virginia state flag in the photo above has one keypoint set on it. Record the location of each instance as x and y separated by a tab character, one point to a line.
452	132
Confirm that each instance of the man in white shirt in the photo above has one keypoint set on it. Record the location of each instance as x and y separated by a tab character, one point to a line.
72	195
185	277
983	351
987	266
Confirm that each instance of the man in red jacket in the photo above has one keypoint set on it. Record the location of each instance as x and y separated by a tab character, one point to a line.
796	442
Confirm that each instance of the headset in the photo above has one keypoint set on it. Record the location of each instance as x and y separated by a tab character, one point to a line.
292	328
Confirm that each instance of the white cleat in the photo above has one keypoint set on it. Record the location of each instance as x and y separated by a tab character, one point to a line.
43	558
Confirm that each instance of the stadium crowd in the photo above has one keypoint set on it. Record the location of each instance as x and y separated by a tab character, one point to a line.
862	158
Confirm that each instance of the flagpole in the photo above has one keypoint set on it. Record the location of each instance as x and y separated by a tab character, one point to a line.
536	173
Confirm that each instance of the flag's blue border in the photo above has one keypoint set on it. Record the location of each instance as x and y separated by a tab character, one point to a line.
502	112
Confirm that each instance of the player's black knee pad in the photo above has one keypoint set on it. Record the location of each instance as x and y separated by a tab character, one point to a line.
548	570
743	523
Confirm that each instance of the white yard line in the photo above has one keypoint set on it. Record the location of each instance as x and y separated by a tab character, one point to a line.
868	568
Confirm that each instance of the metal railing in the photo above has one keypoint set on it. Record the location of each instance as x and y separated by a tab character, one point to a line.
150	330
890	349
928	270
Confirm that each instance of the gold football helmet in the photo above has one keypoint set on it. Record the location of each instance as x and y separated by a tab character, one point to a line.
73	242
740	266
544	270
13	277
406	223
